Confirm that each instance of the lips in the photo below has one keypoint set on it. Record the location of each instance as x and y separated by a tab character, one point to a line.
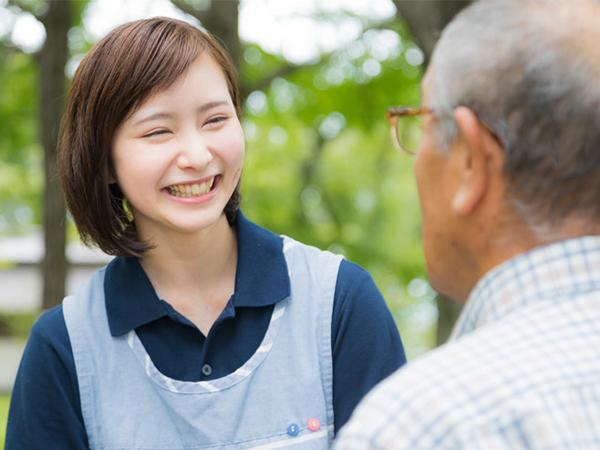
194	189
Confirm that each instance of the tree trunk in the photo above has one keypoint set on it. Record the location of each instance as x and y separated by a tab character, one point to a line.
220	19
52	87
427	18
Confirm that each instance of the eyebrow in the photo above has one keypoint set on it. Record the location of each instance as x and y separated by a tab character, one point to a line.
165	115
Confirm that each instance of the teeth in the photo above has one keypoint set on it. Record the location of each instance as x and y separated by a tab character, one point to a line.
191	190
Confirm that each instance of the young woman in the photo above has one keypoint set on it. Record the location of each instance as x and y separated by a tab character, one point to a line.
206	330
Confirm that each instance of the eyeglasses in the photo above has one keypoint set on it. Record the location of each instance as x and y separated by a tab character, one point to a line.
406	126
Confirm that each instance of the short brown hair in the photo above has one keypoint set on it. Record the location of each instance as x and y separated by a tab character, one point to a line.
133	61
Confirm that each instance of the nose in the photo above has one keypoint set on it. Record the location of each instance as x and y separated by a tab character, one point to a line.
194	152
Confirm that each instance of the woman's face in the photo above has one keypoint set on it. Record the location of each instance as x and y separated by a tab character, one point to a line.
179	156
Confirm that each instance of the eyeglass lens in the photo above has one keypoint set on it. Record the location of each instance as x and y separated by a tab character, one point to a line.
408	132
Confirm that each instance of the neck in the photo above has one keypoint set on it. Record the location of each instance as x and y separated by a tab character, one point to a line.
516	237
483	245
191	268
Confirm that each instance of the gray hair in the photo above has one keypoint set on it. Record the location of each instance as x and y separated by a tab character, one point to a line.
530	70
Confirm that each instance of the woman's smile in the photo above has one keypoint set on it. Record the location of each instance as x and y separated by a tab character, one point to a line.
194	192
194	188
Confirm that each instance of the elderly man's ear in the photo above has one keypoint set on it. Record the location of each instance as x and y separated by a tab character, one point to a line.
477	160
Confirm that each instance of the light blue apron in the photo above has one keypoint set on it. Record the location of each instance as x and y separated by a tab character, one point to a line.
280	398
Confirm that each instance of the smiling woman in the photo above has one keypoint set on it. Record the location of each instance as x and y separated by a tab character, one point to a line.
126	84
204	322
181	147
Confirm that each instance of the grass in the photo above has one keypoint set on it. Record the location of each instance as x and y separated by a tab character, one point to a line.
4	401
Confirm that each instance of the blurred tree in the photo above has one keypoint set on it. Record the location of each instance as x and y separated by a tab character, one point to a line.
221	18
19	152
427	18
52	60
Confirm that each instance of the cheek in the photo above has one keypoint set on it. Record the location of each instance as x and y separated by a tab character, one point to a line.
423	187
138	170
131	162
432	186
234	149
238	152
430	199
120	165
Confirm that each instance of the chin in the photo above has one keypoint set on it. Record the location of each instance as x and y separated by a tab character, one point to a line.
447	289
195	225
439	283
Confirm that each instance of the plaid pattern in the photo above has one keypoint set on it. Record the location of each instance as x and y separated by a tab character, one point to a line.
521	370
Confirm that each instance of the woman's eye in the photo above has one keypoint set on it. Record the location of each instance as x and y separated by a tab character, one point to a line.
156	133
214	121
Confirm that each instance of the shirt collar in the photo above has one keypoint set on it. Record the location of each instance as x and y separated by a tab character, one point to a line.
261	280
544	273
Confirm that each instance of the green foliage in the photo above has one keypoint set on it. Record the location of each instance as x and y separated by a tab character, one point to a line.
18	105
36	7
20	158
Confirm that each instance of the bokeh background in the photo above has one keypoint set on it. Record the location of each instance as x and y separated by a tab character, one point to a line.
316	79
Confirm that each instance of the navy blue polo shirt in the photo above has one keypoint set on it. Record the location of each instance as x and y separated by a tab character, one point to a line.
45	410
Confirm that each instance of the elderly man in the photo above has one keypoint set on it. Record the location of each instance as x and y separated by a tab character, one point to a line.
508	174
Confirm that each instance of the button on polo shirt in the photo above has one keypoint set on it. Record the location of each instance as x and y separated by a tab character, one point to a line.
206	370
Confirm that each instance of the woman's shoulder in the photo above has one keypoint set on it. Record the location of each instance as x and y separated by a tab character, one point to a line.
48	351
352	278
50	323
50	330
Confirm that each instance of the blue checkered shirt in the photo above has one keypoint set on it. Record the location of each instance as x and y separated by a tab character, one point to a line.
521	370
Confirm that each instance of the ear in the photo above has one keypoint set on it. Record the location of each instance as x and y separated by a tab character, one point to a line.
476	160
